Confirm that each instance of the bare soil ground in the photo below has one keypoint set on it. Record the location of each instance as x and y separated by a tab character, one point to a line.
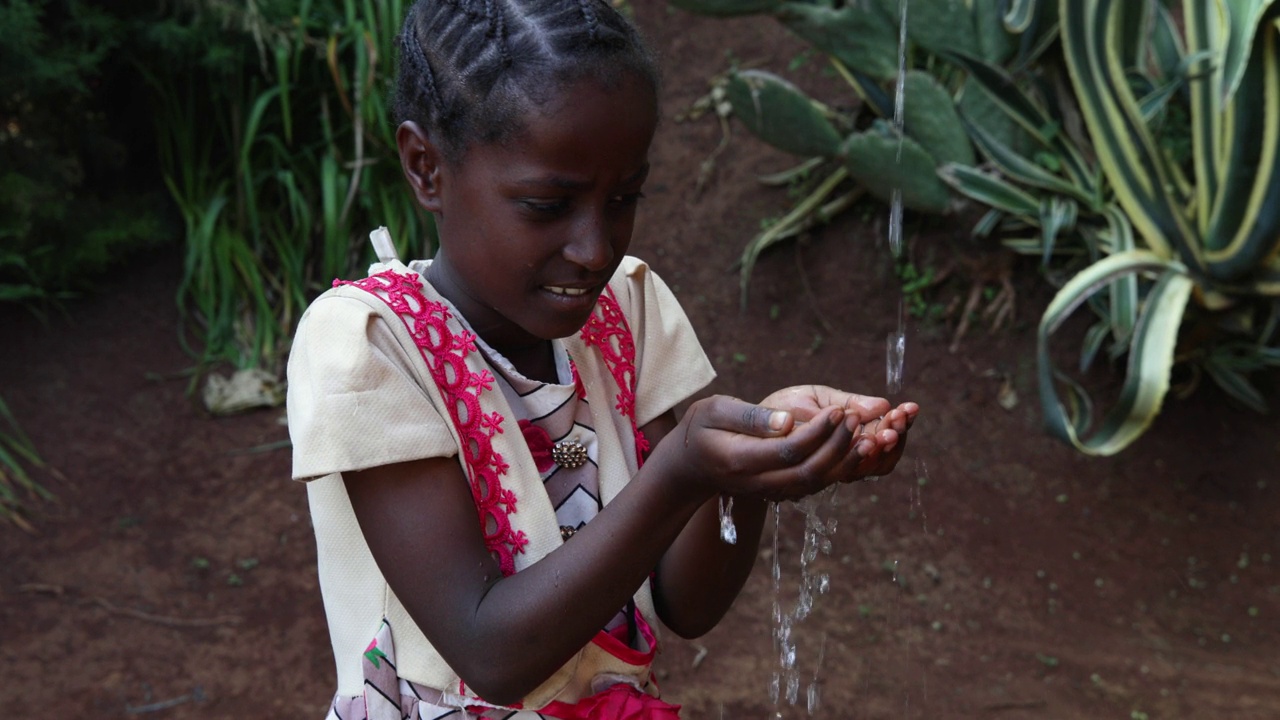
996	574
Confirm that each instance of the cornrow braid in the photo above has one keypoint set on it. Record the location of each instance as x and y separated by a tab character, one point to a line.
469	69
411	52
589	16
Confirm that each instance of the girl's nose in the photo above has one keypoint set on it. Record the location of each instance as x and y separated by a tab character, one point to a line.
590	246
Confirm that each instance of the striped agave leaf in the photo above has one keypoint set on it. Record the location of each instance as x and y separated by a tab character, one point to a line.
1127	151
1151	348
1231	230
1215	233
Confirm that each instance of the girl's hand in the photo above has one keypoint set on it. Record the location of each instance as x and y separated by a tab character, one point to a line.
731	446
883	435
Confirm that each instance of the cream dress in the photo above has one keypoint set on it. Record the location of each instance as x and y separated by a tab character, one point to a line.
384	371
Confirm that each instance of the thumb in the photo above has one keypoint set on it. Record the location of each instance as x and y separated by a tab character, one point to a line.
738	416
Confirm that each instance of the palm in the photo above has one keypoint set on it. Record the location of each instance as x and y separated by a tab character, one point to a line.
884	428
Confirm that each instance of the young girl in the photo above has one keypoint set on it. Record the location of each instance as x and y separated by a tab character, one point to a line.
504	500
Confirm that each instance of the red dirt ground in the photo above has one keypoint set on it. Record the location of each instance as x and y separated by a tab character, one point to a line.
996	574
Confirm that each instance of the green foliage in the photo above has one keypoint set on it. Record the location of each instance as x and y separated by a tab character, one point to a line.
886	148
70	205
1180	216
277	147
17	487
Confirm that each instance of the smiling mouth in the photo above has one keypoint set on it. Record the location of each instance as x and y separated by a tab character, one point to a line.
570	292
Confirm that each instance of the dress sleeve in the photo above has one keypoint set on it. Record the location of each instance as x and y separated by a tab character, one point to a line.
353	400
670	363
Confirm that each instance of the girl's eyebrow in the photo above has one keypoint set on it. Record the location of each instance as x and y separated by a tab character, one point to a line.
565	183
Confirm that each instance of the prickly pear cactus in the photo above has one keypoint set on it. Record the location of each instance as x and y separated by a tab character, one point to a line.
930	118
858	34
882	162
936	25
780	114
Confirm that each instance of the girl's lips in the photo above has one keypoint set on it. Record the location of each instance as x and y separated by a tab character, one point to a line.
574	299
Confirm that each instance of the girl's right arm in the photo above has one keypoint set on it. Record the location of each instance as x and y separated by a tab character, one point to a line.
504	636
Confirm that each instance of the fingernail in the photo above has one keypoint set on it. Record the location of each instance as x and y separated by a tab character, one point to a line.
777	420
835	417
865	447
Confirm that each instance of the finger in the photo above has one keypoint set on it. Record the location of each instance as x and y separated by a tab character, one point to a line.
738	416
867	406
826	464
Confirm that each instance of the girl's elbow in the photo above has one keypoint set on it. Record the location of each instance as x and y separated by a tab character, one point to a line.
689	625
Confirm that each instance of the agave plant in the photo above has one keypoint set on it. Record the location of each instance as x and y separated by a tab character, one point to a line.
874	150
1186	268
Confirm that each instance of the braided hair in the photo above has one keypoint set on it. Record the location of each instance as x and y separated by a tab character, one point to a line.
469	68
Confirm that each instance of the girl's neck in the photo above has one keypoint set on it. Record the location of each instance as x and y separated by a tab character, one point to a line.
536	362
533	358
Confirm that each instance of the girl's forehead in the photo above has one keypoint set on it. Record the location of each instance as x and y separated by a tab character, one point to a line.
592	109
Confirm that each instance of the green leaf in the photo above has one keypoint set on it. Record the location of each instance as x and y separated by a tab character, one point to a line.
990	190
1150	352
996	44
1024	170
1244	228
1019	15
1057	214
883	162
936	25
1124	290
930	118
1130	158
780	114
1001	89
1243	18
858	34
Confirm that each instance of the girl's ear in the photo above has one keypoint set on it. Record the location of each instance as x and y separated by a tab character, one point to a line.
422	162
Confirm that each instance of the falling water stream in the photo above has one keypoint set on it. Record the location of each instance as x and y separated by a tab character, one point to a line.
820	522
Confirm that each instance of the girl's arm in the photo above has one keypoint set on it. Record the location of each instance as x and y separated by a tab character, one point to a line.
504	636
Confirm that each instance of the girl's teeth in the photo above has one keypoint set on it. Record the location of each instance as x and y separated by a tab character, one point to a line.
567	291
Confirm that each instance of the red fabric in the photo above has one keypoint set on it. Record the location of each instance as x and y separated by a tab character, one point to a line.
539	443
619	702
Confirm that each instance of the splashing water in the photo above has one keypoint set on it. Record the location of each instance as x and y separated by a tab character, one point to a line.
787	679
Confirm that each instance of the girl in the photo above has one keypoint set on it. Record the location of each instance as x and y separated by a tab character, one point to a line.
504	500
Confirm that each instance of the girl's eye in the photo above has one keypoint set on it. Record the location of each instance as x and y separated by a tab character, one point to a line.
548	208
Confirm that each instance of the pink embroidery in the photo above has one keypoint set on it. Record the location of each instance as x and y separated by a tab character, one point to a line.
607	330
445	355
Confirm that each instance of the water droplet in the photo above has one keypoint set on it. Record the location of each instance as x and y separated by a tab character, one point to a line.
813	698
728	531
895	354
793	687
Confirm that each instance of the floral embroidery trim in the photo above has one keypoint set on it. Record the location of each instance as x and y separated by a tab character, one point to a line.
445	355
607	330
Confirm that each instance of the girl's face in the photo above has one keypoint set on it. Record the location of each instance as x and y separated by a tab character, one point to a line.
532	229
